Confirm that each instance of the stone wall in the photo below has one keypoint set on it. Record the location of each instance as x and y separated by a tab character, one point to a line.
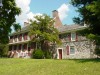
83	49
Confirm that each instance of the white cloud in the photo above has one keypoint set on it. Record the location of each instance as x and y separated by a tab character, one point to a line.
26	13
63	11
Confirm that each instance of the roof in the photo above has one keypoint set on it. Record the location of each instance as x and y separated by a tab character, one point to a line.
70	28
61	29
23	30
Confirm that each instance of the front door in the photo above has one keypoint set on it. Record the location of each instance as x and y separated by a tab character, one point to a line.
60	53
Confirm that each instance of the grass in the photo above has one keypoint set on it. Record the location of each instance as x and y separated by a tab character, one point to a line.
49	67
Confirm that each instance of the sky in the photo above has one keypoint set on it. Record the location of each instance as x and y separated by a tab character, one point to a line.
31	8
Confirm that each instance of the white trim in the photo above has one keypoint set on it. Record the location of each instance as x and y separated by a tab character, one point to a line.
58	52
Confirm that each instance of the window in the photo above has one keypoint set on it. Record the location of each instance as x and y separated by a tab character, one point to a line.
72	50
25	36
20	37
73	36
19	47
15	38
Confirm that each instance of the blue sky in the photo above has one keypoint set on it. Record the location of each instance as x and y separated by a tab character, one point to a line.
31	8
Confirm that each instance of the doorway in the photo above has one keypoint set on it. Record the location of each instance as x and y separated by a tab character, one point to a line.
60	53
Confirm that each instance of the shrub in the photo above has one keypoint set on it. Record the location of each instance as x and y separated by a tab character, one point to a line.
48	55
38	54
4	50
97	51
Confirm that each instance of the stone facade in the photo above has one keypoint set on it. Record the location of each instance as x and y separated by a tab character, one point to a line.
79	48
74	45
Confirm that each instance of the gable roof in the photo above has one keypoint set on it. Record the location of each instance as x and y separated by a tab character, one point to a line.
23	30
70	28
61	29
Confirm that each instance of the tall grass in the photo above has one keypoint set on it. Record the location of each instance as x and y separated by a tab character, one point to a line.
49	67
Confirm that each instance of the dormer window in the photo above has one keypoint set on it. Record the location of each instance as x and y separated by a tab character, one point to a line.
1	3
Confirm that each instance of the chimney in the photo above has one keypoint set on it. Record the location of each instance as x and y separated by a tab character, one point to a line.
26	24
57	20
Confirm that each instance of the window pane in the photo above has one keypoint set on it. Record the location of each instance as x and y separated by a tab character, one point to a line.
72	50
73	36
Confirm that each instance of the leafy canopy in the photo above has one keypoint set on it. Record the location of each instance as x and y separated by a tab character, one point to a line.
8	11
89	11
42	30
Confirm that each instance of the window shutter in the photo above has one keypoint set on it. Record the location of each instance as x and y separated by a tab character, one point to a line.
24	36
69	36
67	48
20	37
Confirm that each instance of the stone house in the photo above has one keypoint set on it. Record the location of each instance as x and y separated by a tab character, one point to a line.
74	45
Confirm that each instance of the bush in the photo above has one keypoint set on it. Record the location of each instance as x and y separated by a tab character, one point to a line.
38	54
97	51
4	50
48	55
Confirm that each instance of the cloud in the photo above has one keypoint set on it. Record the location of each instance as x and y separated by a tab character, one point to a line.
63	11
26	13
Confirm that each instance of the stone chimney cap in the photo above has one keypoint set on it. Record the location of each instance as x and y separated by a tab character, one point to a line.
54	11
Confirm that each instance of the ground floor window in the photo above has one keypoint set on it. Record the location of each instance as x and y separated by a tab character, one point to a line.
72	50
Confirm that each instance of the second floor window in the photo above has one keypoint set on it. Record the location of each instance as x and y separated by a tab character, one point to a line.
15	38
20	37
73	36
25	36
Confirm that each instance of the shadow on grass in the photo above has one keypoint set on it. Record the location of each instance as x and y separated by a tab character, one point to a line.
97	60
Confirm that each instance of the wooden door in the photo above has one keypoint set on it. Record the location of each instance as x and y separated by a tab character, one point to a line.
60	53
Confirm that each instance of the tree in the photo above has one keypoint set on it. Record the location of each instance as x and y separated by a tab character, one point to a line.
8	11
89	11
43	32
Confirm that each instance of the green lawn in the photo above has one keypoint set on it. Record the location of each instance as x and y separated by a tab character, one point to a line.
49	67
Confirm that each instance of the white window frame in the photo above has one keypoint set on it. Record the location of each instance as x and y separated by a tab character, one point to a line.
74	36
70	50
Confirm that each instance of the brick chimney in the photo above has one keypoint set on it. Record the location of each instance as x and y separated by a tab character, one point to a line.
57	20
26	24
